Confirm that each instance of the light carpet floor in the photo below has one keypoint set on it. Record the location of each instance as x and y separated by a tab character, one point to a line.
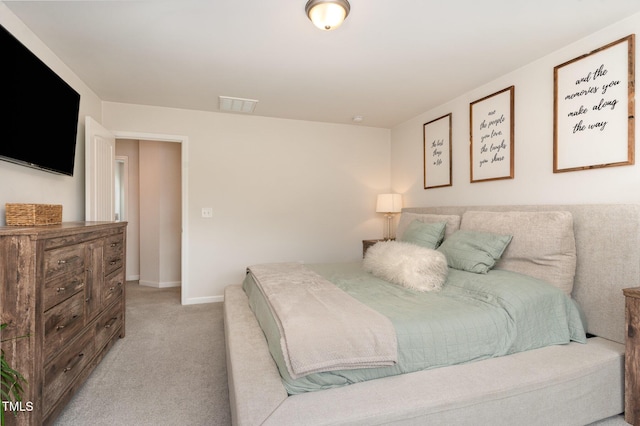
170	368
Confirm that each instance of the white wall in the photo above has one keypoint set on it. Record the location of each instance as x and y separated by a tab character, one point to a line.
281	190
534	182
19	184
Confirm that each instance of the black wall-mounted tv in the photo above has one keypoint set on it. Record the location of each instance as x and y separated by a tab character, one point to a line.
39	118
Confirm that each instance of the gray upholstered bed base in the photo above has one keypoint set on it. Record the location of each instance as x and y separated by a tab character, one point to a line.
572	384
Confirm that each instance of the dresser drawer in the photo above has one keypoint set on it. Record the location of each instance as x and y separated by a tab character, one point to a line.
62	323
108	323
63	261
114	253
58	289
113	287
64	368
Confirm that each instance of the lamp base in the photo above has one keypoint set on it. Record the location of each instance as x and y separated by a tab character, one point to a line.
388	228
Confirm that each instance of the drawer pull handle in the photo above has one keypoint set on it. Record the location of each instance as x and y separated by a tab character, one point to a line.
114	244
111	322
113	262
59	289
69	367
111	289
61	262
60	327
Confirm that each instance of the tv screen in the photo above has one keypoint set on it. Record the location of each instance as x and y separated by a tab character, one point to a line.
39	124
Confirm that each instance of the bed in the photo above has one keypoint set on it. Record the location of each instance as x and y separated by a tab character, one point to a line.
577	381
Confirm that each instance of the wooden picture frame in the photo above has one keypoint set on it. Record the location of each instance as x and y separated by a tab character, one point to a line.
437	152
593	108
491	124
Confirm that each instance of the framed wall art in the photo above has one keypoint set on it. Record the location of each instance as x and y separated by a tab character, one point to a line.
594	109
437	152
491	126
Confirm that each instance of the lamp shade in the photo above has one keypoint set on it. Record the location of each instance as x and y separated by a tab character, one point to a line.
327	14
389	203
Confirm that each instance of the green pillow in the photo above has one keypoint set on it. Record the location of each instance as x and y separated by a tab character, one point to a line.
474	251
423	234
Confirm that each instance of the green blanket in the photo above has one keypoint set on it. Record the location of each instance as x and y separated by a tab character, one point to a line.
473	317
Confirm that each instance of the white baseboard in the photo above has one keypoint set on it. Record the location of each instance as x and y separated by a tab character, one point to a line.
133	278
198	300
157	284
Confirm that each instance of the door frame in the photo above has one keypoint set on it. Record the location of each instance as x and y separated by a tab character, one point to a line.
184	145
124	183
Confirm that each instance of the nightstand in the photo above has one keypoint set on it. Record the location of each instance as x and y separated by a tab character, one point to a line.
368	243
632	356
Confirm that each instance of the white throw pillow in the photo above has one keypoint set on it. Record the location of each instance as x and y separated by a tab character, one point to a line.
411	266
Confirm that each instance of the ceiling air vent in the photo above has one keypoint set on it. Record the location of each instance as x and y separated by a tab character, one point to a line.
230	104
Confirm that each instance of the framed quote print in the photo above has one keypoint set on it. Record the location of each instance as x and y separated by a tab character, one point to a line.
491	125
594	109
437	152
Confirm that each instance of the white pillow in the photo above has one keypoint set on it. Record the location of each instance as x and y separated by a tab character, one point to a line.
408	265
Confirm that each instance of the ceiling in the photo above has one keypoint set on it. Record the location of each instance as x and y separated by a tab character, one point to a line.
389	62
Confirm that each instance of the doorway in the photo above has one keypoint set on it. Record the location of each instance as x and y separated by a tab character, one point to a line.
98	190
150	202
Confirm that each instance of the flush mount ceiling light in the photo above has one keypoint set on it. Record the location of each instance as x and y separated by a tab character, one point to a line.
327	14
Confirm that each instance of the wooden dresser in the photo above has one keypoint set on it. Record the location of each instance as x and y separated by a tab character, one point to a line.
63	286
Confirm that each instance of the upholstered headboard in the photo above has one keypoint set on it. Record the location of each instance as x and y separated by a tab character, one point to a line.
608	257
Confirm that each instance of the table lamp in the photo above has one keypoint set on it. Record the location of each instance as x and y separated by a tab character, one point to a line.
389	204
